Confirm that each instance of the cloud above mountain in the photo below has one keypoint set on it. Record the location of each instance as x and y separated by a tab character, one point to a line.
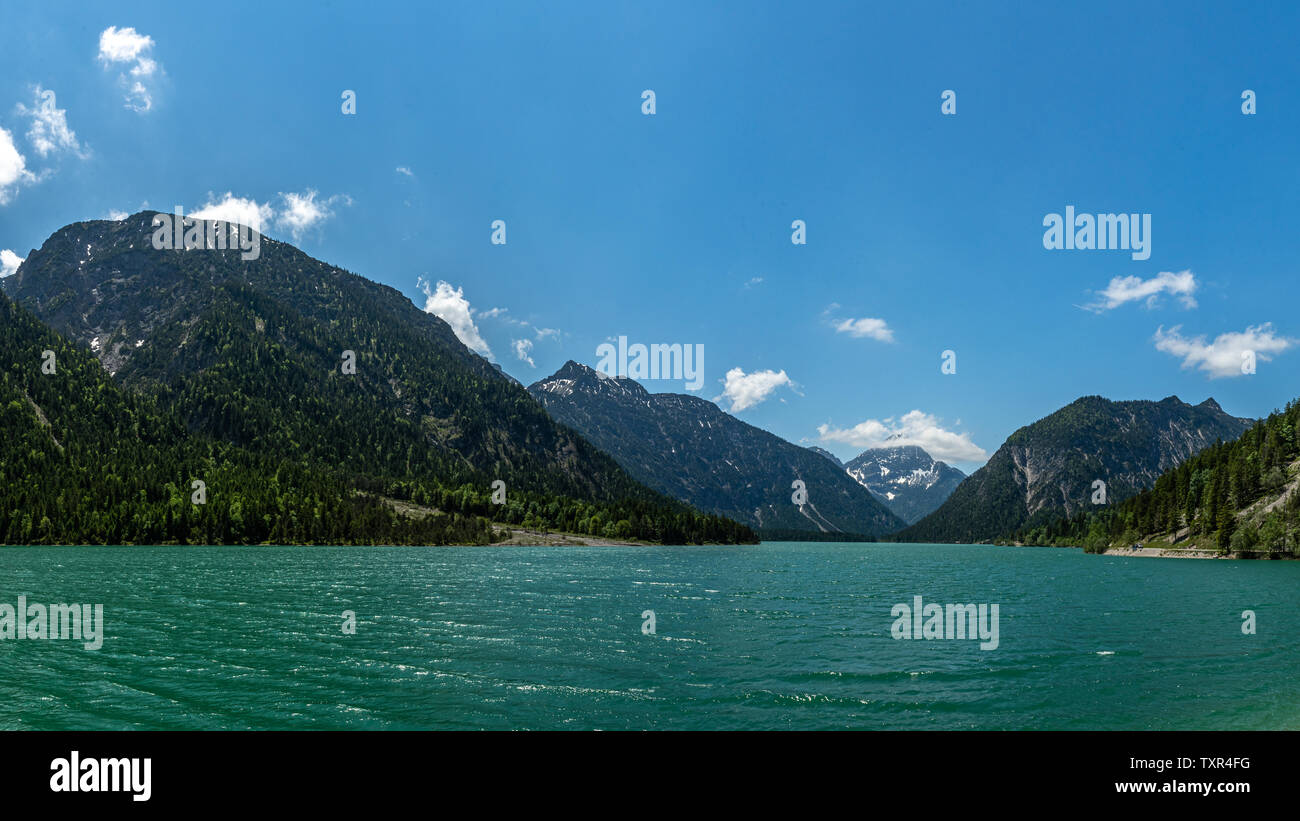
912	428
49	132
298	213
131	54
1229	353
449	304
523	349
239	210
9	262
13	168
745	390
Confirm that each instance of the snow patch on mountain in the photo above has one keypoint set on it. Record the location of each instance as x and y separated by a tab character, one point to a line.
906	478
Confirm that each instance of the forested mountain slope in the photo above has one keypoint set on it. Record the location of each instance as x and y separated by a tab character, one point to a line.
1241	496
690	449
251	354
1050	468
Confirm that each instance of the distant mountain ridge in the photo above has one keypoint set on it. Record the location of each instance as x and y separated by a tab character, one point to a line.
691	450
828	455
1046	470
907	479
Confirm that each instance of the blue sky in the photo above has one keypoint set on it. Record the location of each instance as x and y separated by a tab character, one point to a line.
675	227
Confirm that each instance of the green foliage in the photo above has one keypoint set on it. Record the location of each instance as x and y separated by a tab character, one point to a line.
238	384
1205	497
83	462
1126	444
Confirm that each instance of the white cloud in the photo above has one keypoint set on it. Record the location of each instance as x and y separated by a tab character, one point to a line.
299	213
747	390
9	262
503	315
523	347
1129	289
129	50
117	215
914	428
877	329
450	305
13	168
302	212
238	210
752	282
401	169
123	45
49	131
1226	354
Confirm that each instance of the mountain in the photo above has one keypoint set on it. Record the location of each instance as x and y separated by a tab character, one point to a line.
1047	470
1240	498
253	354
689	449
906	479
828	455
84	462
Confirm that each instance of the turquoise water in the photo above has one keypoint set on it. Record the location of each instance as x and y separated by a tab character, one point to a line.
781	635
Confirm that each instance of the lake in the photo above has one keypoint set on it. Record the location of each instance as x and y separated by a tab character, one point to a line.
774	636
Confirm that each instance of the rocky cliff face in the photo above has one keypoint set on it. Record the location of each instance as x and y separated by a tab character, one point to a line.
1049	469
688	448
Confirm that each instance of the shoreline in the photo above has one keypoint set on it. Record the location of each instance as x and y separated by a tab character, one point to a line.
525	537
1192	553
1167	553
